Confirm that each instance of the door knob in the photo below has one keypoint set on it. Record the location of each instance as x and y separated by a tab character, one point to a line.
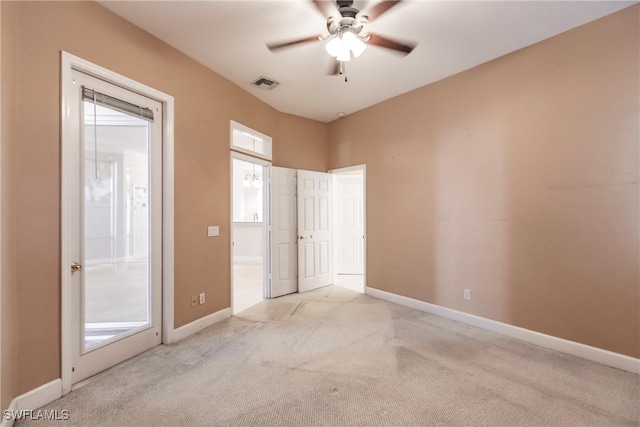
75	266
301	237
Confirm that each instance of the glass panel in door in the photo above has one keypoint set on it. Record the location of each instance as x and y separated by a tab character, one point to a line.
117	289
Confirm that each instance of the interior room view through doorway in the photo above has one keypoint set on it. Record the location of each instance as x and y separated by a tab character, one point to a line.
249	235
349	227
289	227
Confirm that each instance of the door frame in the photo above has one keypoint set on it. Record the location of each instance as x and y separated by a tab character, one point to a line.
363	168
266	221
71	62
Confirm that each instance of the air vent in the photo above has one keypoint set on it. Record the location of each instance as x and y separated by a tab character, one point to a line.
265	83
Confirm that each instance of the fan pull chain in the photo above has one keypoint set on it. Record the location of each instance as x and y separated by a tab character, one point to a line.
343	70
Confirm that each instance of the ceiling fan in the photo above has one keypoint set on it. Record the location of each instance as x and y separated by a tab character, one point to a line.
347	35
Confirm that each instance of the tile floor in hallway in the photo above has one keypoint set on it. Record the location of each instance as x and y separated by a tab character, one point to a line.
247	285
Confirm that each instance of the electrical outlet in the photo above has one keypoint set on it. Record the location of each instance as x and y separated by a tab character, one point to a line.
467	294
194	300
202	298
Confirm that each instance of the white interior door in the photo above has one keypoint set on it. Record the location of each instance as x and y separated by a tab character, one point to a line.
284	245
315	246
349	224
116	238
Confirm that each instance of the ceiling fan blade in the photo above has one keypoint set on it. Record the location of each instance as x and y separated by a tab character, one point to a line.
385	42
277	46
374	11
334	68
326	7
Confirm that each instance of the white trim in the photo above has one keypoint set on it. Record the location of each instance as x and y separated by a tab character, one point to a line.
268	141
39	396
66	185
594	354
111	325
108	261
168	185
249	158
197	325
354	168
69	62
34	399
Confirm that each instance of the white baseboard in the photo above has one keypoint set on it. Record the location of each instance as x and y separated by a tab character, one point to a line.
34	399
594	354
197	325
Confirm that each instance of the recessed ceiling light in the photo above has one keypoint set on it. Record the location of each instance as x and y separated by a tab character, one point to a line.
341	114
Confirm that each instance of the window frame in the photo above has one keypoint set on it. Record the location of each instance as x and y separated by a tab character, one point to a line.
267	140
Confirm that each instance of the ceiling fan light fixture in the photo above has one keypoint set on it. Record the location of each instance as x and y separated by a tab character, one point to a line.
334	46
337	48
344	55
341	47
357	46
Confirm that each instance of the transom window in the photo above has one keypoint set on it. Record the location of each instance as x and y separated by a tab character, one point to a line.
248	141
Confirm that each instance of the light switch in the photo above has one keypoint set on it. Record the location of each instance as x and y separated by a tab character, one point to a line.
213	230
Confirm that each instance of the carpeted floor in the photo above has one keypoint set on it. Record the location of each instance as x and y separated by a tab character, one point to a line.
337	357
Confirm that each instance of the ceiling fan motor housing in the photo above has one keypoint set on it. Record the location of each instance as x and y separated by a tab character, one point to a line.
338	27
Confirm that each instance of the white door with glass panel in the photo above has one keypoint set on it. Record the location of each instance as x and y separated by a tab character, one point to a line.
116	241
315	248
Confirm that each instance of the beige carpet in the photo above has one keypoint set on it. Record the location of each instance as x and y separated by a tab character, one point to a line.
337	357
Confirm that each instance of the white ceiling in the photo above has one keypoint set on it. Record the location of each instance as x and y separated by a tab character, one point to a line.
229	37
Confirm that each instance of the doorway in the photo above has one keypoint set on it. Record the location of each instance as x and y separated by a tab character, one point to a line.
249	231
115	242
318	229
136	234
349	229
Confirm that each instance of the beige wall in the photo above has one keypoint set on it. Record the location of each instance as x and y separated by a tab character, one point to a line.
301	144
204	104
7	247
517	179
